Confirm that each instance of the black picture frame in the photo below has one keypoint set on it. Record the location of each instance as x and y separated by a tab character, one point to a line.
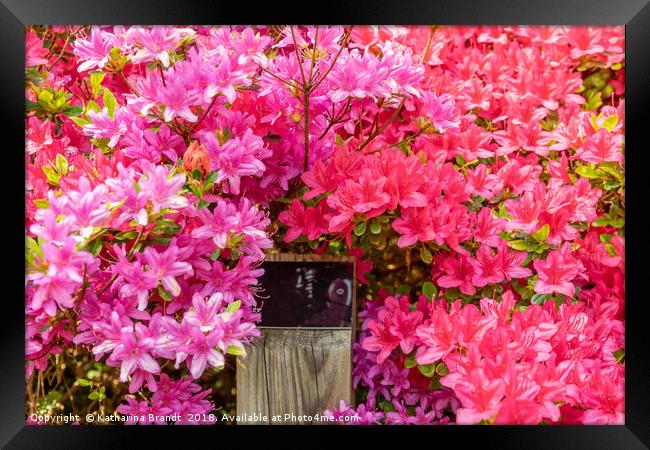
634	14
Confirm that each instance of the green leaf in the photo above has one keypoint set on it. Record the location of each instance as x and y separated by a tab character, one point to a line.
587	171
211	179
52	175
42	203
45	98
611	122
539	248
594	101
33	246
601	221
95	246
518	244
83	382
73	111
541	234
96	78
233	307
619	355
215	254
538	299
452	293
425	255
502	211
429	290
611	171
166	226
61	164
376	239
375	227
110	103
610	249
427	369
126	235
441	369
360	229
605	237
404	289
93	395
80	121
196	174
94	106
164	294
618	223
410	361
237	351
32	106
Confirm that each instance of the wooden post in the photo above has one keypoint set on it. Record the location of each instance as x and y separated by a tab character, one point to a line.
302	363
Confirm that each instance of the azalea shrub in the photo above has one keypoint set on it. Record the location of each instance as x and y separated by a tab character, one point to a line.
475	173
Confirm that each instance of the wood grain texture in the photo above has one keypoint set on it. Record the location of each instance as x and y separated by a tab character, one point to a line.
299	371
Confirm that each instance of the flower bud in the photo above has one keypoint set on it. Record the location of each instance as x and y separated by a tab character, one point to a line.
196	157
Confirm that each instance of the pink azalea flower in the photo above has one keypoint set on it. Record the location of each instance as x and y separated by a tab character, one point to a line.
602	146
440	111
94	50
35	53
382	339
155	43
480	398
557	271
58	275
415	225
310	221
436	338
134	351
459	272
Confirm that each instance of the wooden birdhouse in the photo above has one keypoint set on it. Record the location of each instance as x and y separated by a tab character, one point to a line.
301	364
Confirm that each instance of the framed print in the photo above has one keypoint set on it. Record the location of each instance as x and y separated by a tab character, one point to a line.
424	217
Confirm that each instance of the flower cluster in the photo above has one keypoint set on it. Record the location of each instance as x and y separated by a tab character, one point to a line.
475	173
146	168
504	182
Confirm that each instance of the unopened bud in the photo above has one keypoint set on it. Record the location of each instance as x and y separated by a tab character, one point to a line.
196	157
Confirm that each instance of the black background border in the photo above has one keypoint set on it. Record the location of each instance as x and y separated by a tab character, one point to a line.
634	14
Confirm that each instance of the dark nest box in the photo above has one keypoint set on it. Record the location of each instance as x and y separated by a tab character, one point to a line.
301	364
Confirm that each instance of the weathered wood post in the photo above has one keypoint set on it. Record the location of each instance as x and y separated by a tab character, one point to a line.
302	363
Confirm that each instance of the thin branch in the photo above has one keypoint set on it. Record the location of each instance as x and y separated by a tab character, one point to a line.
65	44
384	126
288	83
295	47
162	75
427	45
306	95
338	117
128	257
127	82
401	105
344	44
203	116
314	52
